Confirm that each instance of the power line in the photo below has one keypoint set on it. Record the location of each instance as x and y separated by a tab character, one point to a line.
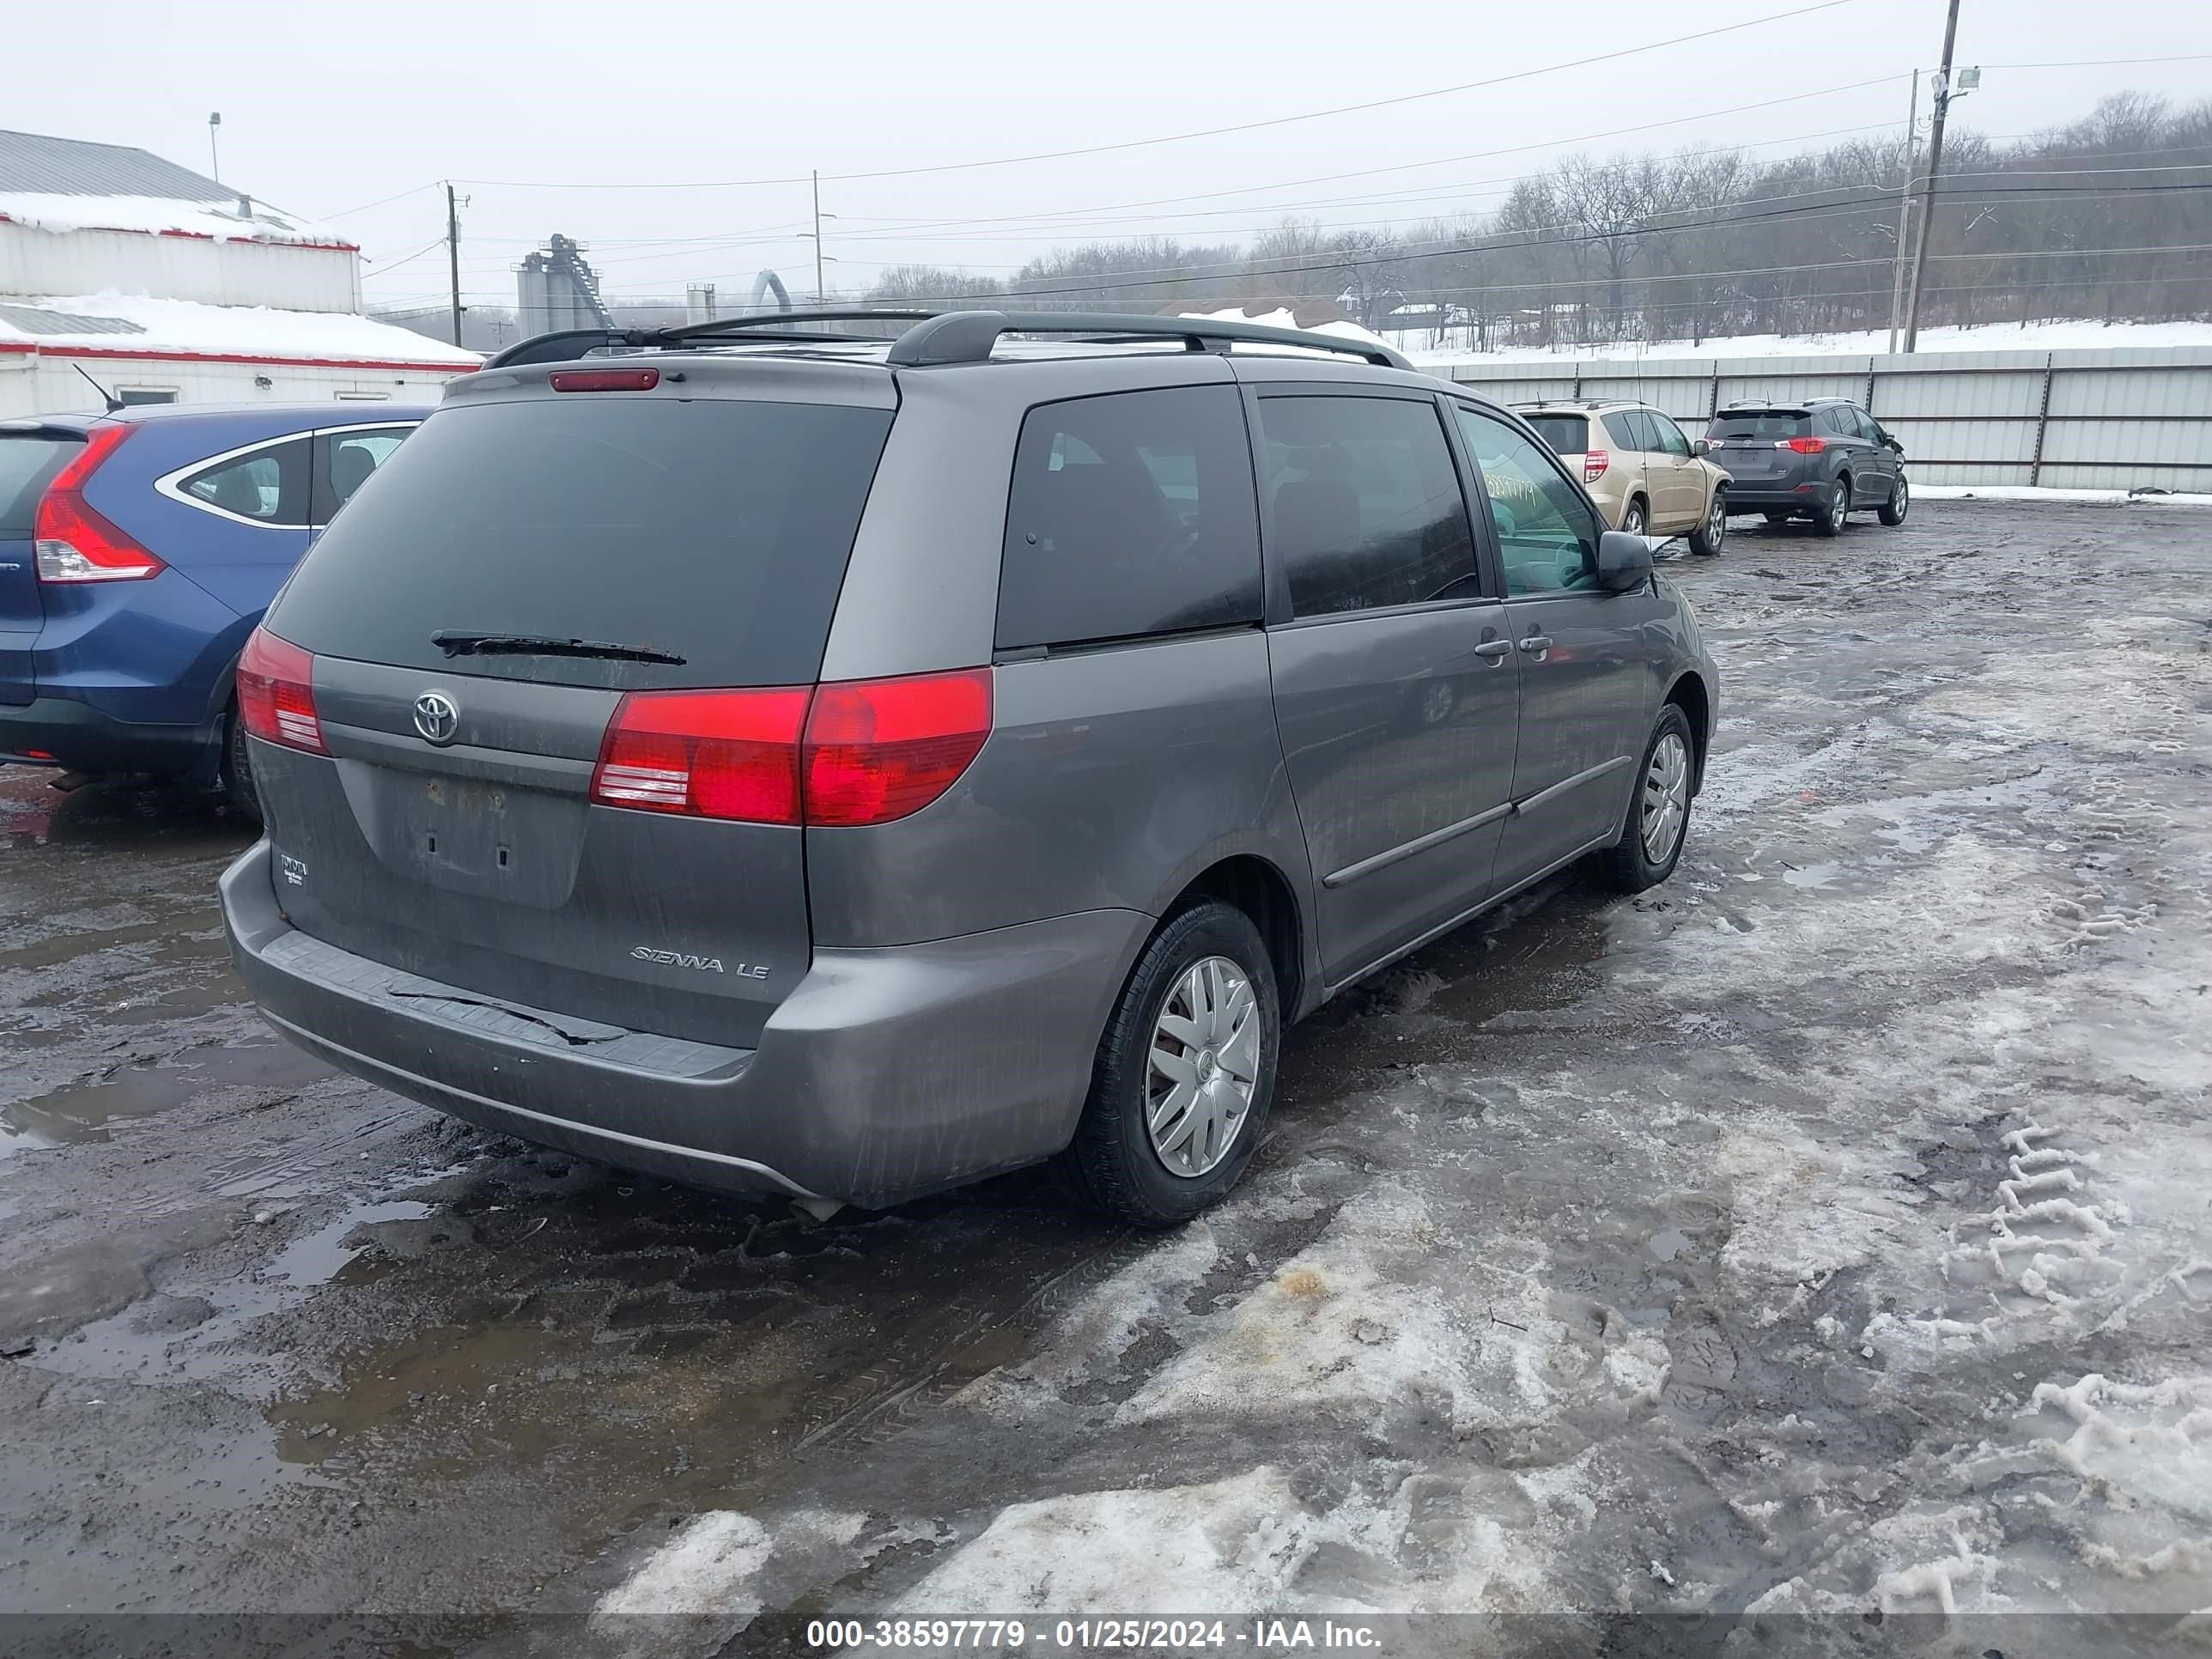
1791	16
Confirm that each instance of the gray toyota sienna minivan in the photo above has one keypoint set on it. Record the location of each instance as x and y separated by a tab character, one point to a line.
849	767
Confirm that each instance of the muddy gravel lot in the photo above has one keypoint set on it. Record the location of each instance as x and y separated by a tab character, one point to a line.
1823	1235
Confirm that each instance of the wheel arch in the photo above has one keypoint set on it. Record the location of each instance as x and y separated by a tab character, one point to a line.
1694	698
1260	889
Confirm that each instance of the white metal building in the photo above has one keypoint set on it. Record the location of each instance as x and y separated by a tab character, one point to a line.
160	285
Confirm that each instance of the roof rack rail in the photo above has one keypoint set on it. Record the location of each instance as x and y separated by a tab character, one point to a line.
969	337
566	344
936	337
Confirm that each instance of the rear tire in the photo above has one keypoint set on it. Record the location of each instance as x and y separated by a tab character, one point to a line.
1893	511
1658	818
1828	517
1706	539
1113	1166
1635	517
236	773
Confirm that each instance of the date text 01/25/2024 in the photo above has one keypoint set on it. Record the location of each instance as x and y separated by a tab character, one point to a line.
1093	1635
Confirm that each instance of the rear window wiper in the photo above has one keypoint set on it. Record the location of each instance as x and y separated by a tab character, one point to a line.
545	645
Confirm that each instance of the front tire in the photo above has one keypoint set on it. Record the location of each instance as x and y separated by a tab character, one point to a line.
236	775
1184	1075
1828	517
1705	540
1658	818
1893	511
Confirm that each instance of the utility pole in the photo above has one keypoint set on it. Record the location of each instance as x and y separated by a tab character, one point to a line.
1904	214
816	176
1943	91
453	256
214	162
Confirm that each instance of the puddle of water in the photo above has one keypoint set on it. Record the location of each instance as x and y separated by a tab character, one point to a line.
1667	1245
83	1111
1813	875
317	1259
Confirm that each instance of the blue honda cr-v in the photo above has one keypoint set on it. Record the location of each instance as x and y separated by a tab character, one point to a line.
137	551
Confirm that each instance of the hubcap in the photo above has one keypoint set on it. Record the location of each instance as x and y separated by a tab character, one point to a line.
1666	798
1903	497
1716	523
1633	521
1204	1065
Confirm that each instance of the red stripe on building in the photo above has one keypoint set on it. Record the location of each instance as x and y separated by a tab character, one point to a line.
205	236
234	357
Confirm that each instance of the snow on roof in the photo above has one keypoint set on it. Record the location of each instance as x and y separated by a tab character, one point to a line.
1284	317
235	220
182	328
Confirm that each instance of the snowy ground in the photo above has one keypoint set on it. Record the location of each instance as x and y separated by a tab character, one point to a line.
1821	1239
2061	335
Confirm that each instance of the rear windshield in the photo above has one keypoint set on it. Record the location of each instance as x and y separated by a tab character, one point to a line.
27	464
1567	434
716	530
1772	424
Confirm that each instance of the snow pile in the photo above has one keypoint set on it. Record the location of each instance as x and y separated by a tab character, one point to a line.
187	328
2056	335
156	215
2074	497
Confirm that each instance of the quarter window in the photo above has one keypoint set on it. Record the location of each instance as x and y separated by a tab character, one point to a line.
1130	514
1364	507
268	485
1623	430
1547	532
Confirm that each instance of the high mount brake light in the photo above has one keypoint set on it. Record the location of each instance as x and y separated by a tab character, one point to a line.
75	544
276	693
605	379
849	753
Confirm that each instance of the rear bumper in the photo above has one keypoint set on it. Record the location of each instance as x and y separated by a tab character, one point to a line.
83	739
1764	497
885	1073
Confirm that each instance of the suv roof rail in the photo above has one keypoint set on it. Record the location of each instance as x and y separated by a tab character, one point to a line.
935	337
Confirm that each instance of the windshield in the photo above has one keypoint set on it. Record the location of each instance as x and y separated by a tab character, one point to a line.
1769	425
1567	434
708	537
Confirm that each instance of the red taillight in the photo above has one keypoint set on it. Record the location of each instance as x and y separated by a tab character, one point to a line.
709	754
276	693
74	543
1806	446
605	379
1594	463
878	750
857	752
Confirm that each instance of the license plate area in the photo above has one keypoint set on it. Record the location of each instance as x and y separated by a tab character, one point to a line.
485	838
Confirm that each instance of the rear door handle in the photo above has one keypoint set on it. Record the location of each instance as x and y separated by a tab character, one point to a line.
1536	642
1494	648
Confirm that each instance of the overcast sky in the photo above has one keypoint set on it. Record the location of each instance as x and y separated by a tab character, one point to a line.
327	108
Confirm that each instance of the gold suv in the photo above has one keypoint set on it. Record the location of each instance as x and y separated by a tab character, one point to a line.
1642	473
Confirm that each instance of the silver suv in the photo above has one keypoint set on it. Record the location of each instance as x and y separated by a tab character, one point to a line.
845	767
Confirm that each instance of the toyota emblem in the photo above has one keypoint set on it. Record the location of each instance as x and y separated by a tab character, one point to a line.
436	718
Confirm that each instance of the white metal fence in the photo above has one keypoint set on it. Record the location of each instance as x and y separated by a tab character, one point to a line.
2133	418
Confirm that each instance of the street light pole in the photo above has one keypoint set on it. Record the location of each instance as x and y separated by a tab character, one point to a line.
1942	90
1904	214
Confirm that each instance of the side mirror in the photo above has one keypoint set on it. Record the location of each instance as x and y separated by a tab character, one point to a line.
1624	561
1897	446
1699	446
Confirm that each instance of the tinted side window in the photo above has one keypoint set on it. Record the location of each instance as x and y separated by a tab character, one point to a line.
1669	435
1622	430
1130	513
1867	429
268	486
1647	438
347	460
1364	507
1546	532
1838	421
